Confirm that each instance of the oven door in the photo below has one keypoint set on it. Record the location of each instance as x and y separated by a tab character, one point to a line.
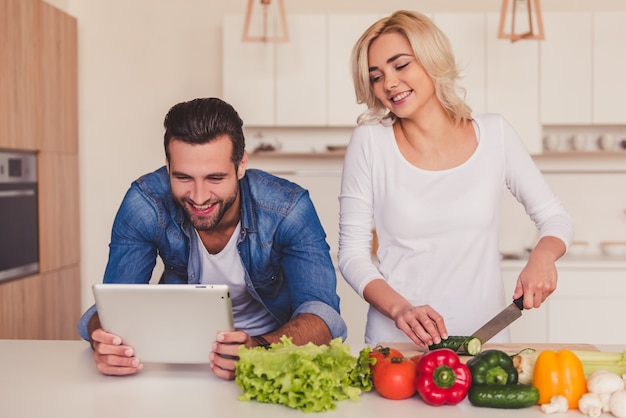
19	240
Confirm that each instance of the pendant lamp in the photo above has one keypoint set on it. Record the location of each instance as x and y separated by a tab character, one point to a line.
523	21
265	21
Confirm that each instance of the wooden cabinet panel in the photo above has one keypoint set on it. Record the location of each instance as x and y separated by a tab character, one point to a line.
20	309
39	111
59	213
60	295
20	70
59	95
566	69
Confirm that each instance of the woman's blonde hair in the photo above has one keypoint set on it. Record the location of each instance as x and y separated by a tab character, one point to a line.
433	51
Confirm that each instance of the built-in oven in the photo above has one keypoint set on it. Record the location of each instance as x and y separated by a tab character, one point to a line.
19	219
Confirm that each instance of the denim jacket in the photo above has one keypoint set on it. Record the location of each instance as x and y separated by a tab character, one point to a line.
282	245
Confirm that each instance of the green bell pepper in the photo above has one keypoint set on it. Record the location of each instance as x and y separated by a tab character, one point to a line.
492	367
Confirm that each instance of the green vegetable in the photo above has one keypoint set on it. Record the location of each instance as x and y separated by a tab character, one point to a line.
308	377
503	396
492	367
467	345
602	360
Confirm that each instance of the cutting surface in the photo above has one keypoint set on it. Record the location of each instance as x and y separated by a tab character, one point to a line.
410	349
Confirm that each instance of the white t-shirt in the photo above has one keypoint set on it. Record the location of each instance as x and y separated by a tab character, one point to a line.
438	230
226	267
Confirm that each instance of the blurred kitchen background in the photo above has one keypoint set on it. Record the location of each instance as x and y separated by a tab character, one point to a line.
131	60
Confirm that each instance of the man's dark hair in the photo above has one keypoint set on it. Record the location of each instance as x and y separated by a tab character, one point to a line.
200	121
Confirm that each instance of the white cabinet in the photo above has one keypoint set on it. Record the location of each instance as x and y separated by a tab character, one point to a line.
343	32
467	33
305	82
277	84
582	64
301	66
566	69
247	74
590	296
513	83
609	89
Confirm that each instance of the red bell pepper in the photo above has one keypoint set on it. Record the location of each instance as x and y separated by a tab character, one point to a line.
441	378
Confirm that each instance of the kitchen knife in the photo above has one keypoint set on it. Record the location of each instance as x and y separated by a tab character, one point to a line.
500	321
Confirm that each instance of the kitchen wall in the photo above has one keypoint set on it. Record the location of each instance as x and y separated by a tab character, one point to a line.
139	57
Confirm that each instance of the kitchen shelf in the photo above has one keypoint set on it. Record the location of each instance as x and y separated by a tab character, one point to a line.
581	161
571	262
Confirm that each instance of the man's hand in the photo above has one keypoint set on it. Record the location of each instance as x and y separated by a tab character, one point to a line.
111	357
225	352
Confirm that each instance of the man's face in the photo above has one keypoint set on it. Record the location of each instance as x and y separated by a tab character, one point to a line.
205	183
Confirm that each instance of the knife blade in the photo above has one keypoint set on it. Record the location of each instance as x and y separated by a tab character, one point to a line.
500	321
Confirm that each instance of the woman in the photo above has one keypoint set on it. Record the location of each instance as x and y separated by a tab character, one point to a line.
429	175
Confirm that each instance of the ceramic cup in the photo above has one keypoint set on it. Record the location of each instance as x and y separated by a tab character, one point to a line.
606	142
578	142
551	142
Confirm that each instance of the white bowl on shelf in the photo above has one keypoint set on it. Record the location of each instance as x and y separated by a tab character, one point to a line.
614	248
577	248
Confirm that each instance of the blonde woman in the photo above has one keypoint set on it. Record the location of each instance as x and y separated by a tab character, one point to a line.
430	175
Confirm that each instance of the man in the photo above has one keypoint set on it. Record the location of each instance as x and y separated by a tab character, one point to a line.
205	215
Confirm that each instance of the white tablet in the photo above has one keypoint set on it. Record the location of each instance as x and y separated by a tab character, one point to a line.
165	323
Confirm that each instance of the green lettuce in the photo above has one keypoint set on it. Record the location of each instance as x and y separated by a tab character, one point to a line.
309	377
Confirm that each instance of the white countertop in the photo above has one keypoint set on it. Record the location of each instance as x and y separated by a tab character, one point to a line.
49	379
576	262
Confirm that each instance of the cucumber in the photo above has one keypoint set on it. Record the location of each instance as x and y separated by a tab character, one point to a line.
464	345
503	396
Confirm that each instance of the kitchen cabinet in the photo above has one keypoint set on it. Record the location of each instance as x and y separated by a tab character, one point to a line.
304	82
300	73
581	68
343	32
467	33
609	50
39	112
248	74
589	296
566	69
513	83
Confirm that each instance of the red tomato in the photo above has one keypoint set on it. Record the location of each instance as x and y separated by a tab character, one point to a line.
394	378
416	358
381	353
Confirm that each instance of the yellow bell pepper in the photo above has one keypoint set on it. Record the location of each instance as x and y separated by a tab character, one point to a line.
559	373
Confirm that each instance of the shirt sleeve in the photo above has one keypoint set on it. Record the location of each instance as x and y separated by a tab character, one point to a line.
356	214
531	189
306	263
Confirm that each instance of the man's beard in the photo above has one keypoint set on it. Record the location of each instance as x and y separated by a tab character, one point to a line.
208	222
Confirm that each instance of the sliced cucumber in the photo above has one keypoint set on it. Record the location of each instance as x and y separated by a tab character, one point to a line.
462	345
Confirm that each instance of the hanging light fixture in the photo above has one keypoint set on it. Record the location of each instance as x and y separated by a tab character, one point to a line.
265	24
524	20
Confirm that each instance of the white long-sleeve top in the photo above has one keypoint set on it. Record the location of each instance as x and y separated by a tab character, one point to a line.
438	230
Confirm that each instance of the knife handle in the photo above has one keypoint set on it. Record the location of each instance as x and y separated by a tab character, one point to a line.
519	302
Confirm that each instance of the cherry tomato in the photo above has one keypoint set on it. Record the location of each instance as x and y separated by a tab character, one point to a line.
394	378
381	353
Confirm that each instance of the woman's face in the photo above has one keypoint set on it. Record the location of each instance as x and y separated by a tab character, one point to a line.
397	78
